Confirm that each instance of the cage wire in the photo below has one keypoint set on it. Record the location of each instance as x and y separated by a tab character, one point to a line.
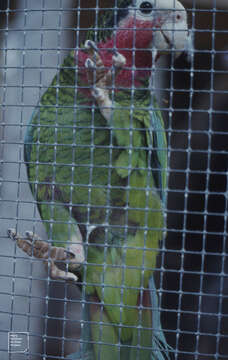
44	318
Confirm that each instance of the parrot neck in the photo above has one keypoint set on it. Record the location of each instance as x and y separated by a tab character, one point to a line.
139	59
132	39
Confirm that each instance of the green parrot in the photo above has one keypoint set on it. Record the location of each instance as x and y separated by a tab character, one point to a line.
96	158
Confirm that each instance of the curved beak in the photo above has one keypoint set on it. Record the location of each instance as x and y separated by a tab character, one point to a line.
172	34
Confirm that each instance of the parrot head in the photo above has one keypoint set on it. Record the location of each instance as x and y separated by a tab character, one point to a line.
159	26
141	30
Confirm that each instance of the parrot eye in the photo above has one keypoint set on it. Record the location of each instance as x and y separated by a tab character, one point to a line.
146	7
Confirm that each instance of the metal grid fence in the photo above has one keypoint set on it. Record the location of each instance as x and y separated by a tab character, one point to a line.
191	270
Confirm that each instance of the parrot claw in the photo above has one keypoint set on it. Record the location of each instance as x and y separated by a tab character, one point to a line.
90	64
31	236
118	59
11	233
32	245
90	45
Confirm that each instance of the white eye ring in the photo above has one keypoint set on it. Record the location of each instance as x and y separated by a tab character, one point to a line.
146	7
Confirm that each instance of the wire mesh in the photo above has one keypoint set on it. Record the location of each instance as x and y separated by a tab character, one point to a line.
191	268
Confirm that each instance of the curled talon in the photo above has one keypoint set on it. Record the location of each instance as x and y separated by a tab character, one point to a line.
11	233
31	235
118	60
90	64
22	243
90	45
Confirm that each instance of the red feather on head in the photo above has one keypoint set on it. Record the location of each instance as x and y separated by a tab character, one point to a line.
133	39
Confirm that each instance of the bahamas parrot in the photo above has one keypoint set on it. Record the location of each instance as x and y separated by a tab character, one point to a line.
96	158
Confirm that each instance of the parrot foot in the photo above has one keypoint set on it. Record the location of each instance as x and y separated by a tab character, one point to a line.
32	245
100	79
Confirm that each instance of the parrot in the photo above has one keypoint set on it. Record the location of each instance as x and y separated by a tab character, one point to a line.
96	157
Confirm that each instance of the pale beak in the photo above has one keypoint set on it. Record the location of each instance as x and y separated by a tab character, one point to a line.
173	35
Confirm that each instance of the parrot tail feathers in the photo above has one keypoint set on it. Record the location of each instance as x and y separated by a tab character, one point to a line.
160	347
93	347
